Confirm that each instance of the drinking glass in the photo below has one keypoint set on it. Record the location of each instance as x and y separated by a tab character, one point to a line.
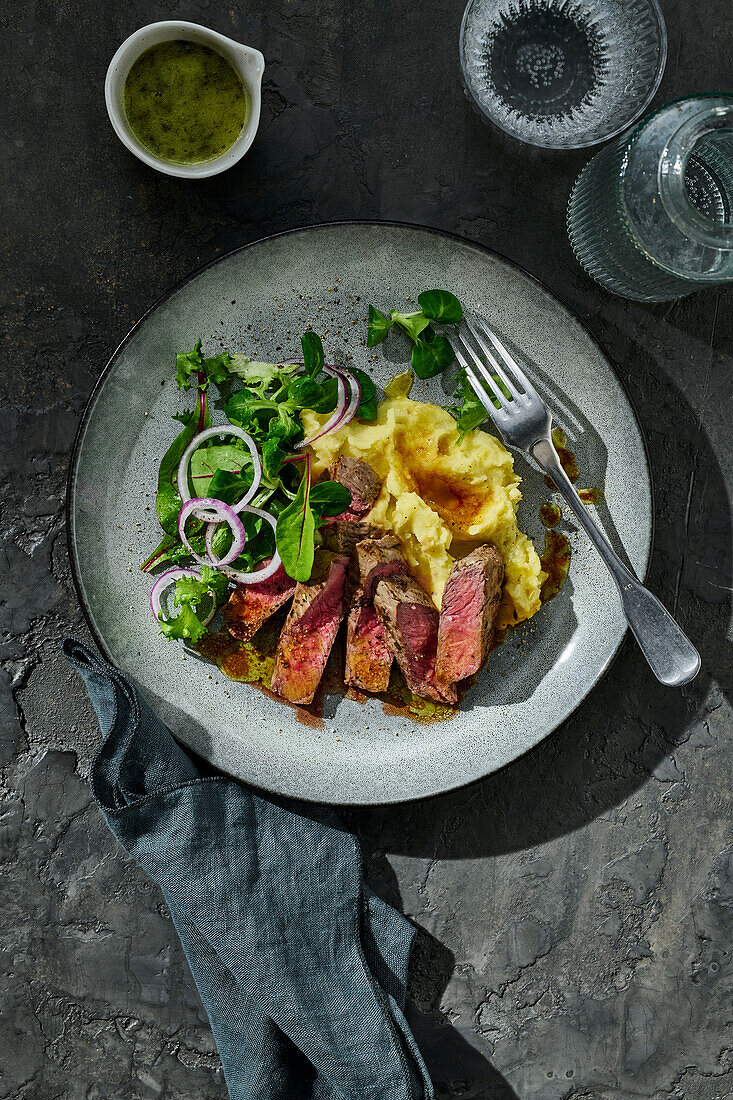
562	73
651	216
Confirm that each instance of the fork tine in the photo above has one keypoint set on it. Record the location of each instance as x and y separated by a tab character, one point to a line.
497	415
457	350
508	358
478	389
478	367
487	378
508	382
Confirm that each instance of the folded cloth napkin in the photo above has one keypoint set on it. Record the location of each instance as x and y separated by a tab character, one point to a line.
301	969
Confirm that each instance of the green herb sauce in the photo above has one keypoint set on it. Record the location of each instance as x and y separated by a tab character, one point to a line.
184	102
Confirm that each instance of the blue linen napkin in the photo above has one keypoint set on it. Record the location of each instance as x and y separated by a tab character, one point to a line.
301	969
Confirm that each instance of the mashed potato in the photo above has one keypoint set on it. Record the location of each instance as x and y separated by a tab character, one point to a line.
440	499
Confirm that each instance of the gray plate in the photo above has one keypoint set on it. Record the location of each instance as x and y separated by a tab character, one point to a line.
259	299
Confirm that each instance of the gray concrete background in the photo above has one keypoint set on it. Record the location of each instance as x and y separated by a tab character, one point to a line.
577	908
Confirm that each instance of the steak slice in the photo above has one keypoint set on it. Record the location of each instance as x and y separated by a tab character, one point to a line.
310	629
361	481
251	605
368	656
468	613
410	619
375	559
342	535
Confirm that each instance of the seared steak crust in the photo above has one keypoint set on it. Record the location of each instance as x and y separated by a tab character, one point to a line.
468	613
361	481
251	605
342	535
375	559
410	619
310	629
368	656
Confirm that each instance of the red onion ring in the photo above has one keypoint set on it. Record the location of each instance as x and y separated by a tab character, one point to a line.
346	404
231	553
209	433
218	511
258	574
168	578
337	414
355	398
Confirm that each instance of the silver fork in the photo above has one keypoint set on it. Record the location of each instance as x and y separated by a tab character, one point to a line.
525	423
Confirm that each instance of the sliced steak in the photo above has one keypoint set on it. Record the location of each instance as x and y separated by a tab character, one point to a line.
310	629
468	613
361	481
375	559
251	605
342	535
410	619
368	656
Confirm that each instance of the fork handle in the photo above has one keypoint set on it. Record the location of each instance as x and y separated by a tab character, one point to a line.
671	655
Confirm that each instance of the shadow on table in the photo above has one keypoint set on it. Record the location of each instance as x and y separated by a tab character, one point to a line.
456	1068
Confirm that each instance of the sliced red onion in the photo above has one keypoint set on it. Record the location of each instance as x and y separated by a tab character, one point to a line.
208	540
168	578
217	511
258	574
346	403
209	433
355	398
230	555
336	416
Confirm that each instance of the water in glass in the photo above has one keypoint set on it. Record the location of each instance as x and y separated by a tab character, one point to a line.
562	73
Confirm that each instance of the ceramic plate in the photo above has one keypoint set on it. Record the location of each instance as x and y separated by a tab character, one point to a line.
260	299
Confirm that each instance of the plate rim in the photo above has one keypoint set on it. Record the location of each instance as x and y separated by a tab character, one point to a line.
355	222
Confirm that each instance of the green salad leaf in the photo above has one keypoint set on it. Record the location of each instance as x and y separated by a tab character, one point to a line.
411	323
161	554
259	376
167	501
313	355
214	369
272	422
431	354
193	597
328	498
227	485
191	590
281	439
295	532
186	625
470	413
379	326
441	306
206	462
260	542
305	393
186	363
367	409
298	522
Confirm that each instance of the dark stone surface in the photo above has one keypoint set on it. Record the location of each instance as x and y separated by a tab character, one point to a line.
577	908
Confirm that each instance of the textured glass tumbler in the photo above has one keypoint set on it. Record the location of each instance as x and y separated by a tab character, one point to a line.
651	216
562	73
